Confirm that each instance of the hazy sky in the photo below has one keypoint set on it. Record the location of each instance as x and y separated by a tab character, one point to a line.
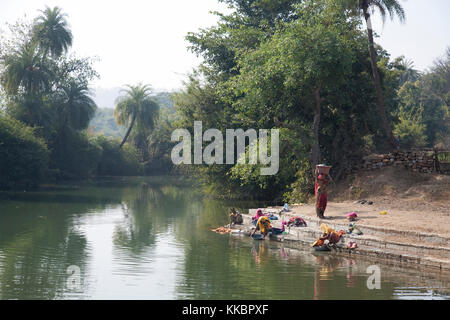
143	41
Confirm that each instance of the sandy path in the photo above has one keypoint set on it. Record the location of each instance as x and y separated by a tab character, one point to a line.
413	201
429	219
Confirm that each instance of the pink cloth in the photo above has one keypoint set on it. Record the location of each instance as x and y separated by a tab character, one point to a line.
259	214
352	215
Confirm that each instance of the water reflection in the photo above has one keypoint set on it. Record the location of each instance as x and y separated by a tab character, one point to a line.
37	244
260	252
133	239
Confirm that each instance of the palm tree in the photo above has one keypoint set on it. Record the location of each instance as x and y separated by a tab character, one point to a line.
26	69
364	8
136	109
74	109
76	106
409	73
51	32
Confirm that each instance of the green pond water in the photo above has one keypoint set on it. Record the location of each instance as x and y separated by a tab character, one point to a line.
148	238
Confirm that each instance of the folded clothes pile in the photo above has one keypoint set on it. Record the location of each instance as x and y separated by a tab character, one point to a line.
222	230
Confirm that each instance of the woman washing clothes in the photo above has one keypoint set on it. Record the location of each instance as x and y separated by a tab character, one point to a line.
329	234
235	217
263	225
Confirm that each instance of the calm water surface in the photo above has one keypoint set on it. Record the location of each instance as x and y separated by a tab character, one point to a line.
146	238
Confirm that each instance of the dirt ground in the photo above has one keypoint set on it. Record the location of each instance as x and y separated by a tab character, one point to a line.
413	201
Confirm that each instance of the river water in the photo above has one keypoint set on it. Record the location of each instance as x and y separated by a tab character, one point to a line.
147	238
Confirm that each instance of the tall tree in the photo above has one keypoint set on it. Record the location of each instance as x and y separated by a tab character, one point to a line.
264	14
251	22
294	74
51	31
26	71
364	8
409	73
73	108
136	109
76	107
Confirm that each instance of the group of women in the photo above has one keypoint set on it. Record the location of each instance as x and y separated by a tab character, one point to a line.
262	222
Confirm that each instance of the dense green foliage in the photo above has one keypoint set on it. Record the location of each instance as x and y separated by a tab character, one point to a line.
365	9
302	67
160	145
46	108
23	156
424	100
117	161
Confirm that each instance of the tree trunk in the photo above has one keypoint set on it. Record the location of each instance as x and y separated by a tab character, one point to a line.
128	131
315	151
373	60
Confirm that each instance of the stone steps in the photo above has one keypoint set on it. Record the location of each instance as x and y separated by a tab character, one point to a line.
428	250
407	237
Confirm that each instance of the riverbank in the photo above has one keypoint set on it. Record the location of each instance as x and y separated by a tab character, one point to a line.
143	241
404	238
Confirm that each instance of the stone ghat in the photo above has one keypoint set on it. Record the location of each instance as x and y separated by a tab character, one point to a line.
417	161
433	253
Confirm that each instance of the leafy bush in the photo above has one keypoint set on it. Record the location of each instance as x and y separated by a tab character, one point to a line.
303	187
117	161
74	156
248	177
410	133
23	155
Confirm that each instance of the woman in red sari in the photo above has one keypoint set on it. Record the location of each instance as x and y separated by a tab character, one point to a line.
321	193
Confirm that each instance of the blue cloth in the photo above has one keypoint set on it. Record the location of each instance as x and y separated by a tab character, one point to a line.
276	231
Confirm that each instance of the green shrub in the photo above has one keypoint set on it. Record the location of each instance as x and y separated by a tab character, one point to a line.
444	157
303	187
410	133
115	161
23	155
248	179
76	158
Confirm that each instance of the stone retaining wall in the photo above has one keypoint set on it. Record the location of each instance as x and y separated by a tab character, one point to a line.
415	160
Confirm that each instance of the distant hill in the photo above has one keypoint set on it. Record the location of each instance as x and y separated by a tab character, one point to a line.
106	97
165	101
104	122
